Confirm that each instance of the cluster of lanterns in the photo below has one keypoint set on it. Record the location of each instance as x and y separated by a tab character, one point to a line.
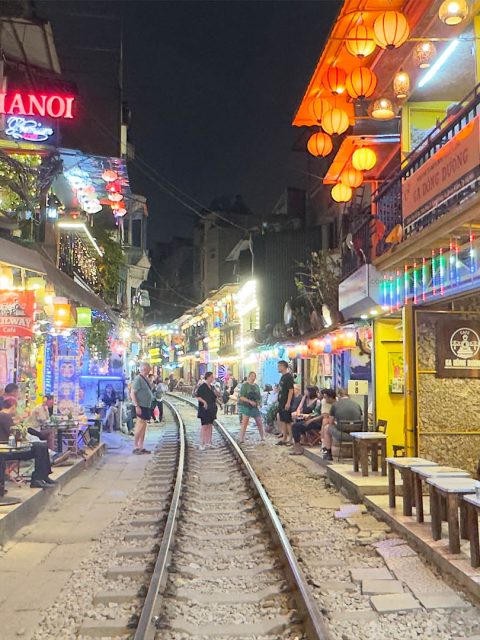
114	190
331	343
390	30
84	190
363	159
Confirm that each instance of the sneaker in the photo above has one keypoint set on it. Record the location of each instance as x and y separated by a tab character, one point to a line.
328	455
38	484
50	481
142	451
137	451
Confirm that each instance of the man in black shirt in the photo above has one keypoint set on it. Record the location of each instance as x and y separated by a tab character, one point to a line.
285	396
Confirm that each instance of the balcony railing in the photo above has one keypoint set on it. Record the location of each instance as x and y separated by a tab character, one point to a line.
356	249
76	259
388	198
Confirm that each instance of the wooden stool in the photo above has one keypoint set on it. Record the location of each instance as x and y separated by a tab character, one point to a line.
422	473
452	490
404	467
472	504
365	441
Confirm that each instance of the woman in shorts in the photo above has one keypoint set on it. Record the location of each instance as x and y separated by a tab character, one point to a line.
249	402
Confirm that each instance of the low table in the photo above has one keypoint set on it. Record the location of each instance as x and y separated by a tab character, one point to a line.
404	467
452	490
472	505
421	473
363	441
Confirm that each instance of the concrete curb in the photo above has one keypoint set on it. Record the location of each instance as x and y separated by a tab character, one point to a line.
23	513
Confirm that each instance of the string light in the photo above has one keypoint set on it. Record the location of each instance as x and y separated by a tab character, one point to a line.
424	279
415	283
441	260
434	274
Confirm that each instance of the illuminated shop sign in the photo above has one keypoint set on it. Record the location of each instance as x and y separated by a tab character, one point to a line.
28	129
31	104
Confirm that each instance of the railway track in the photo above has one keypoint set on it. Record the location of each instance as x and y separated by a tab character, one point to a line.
221	566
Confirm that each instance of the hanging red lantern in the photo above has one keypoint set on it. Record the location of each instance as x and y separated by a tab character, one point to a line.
334	80
109	175
390	29
317	107
320	144
361	83
113	186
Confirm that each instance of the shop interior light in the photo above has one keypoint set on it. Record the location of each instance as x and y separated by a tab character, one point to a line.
81	226
438	64
364	316
373	312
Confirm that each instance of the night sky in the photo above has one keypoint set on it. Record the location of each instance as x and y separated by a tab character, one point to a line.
212	87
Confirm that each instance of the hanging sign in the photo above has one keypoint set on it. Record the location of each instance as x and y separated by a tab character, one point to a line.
28	129
30	104
458	349
16	313
447	172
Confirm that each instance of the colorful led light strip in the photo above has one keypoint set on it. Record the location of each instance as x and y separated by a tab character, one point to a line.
424	279
415	283
434	274
441	261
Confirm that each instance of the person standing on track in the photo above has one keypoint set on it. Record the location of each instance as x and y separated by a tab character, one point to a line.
248	406
142	398
285	397
207	410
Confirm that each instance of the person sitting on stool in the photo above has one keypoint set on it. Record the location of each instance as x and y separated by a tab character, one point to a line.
38	451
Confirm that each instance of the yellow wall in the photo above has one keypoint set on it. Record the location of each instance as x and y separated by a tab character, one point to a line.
388	338
420	115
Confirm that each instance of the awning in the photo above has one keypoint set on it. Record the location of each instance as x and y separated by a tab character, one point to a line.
21	257
16	255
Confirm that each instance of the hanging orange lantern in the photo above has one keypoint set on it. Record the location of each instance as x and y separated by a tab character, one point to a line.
364	159
334	80
360	42
320	144
317	107
341	193
361	83
335	121
61	314
351	177
390	29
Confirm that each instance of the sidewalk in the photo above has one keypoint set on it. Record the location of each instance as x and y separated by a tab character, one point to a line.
39	561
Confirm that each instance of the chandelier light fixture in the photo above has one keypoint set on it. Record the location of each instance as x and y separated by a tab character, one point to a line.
361	83
401	84
364	159
423	54
341	193
382	109
453	12
334	80
335	121
319	145
360	42
390	29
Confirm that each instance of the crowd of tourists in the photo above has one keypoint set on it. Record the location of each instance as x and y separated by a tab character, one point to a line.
314	417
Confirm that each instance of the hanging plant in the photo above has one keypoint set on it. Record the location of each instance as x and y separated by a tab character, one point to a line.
97	339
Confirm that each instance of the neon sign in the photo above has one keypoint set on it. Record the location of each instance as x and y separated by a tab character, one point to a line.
30	104
28	129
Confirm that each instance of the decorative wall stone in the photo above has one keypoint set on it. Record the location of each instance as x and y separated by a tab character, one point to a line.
446	406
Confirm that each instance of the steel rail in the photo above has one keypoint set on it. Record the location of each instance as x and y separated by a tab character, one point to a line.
147	624
312	617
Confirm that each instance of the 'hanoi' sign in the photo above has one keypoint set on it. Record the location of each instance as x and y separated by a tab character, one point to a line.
31	104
